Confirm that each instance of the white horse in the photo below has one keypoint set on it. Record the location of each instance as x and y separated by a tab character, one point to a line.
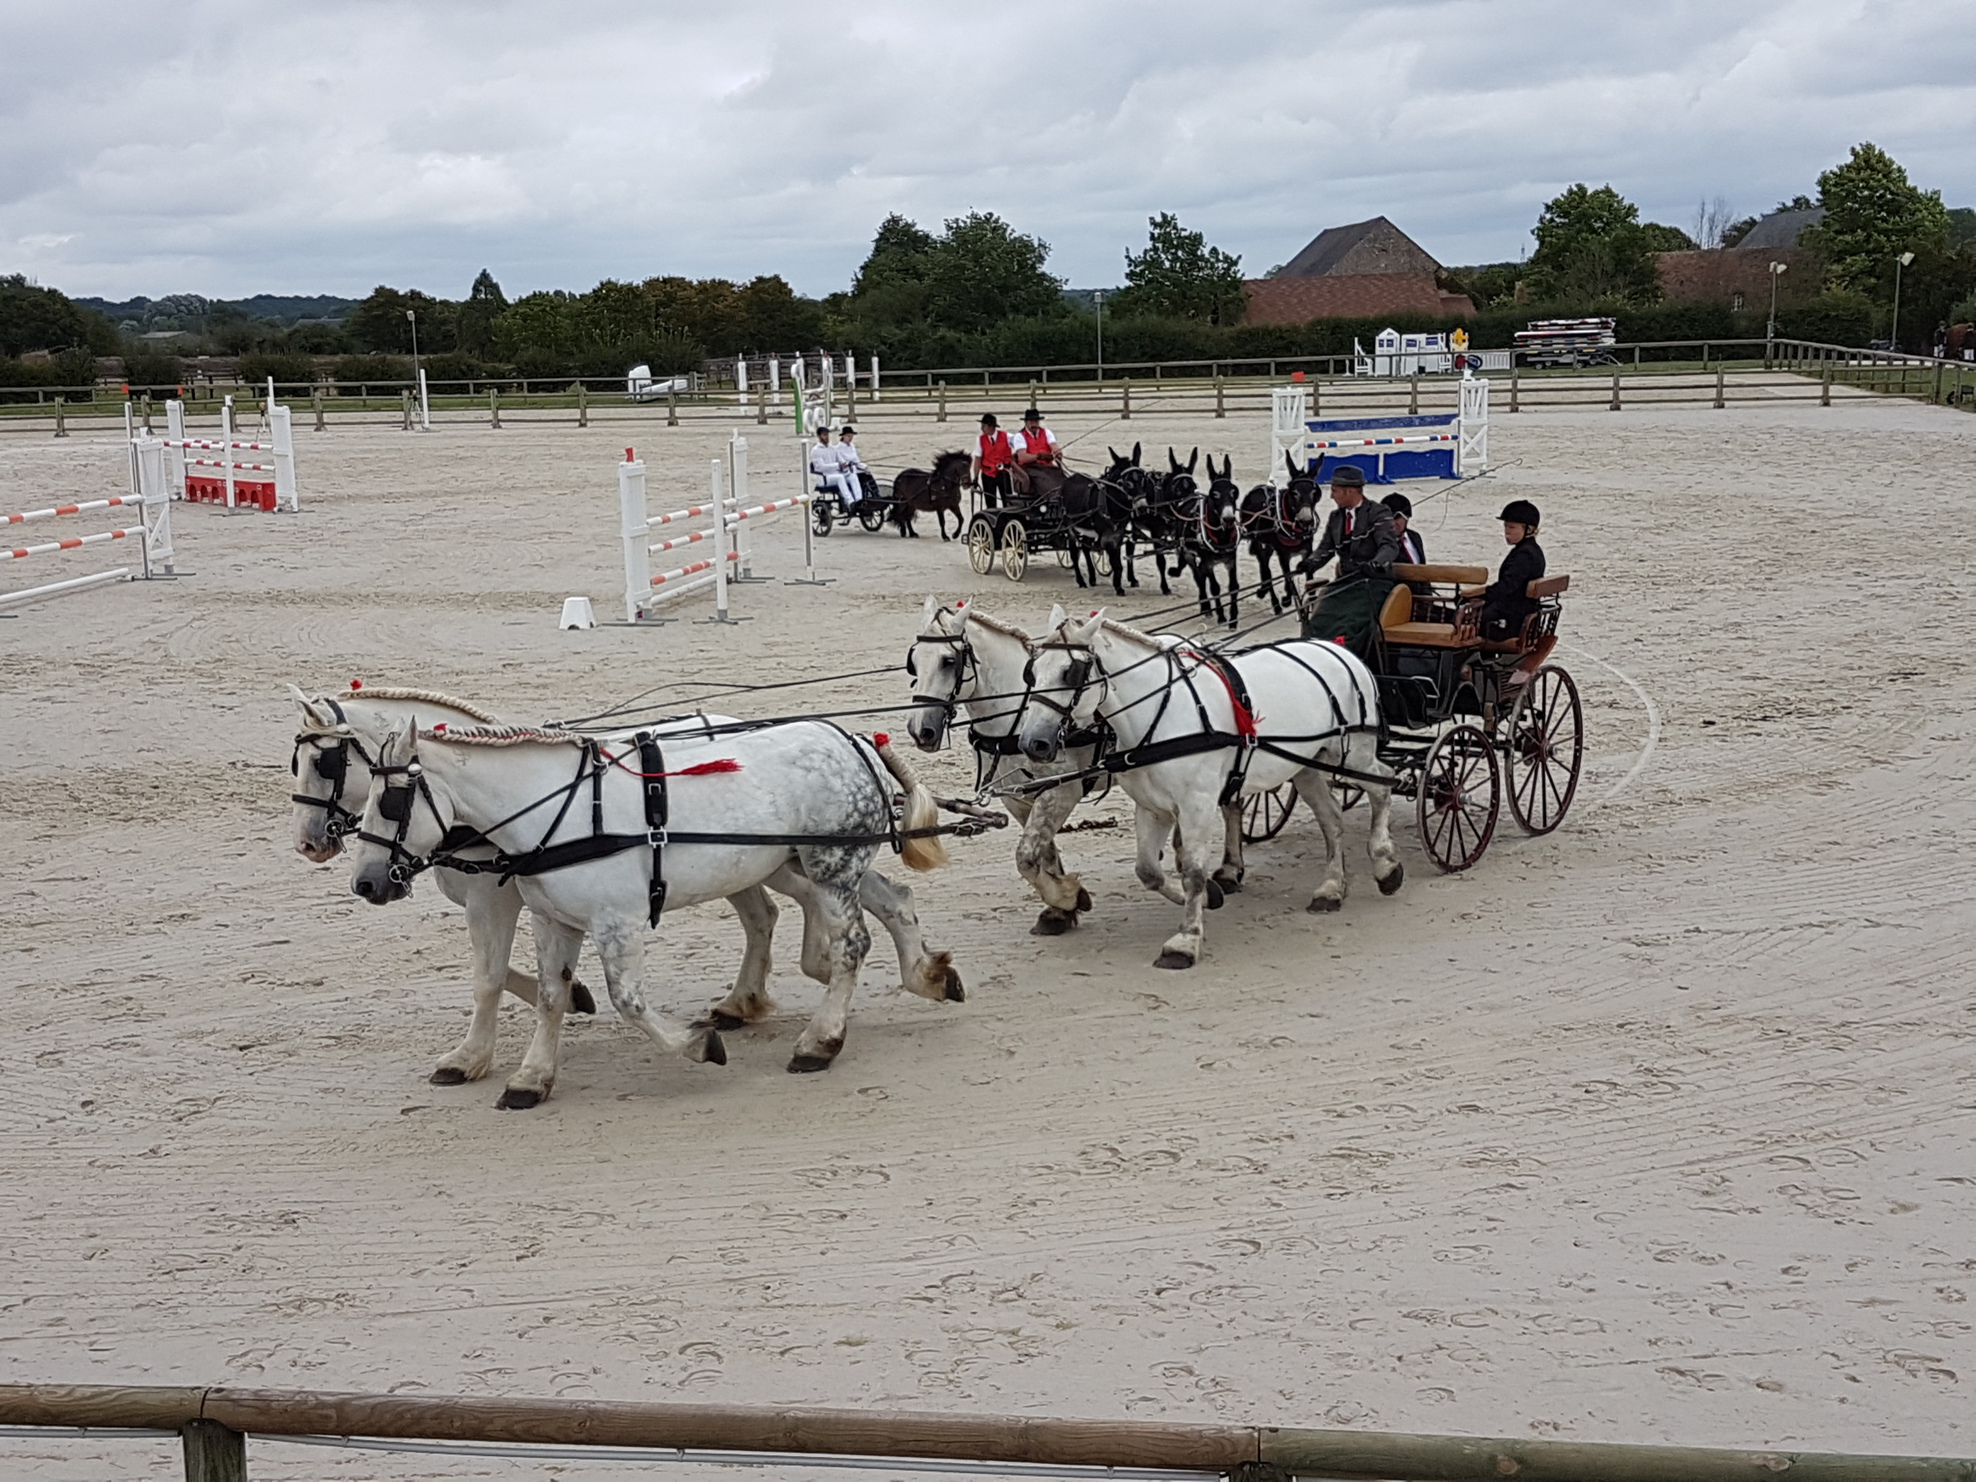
332	757
1179	734
964	660
794	804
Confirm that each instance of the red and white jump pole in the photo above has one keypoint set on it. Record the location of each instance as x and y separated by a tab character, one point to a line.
225	486
153	532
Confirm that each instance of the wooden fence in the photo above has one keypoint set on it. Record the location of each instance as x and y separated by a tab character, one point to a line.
214	1425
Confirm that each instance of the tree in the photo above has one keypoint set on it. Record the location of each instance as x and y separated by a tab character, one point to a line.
1873	213
379	322
1667	238
36	318
1712	219
1179	276
1591	245
982	271
484	306
901	252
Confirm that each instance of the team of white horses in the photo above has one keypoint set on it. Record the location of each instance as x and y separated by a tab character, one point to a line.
596	834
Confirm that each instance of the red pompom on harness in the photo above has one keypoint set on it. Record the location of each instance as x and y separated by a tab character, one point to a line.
1245	721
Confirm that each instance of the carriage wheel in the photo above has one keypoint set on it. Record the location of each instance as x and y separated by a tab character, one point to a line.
981	545
1066	556
1460	795
1265	813
1546	748
871	516
1015	550
1348	794
820	516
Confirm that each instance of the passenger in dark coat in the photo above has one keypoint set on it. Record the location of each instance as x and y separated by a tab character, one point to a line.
1505	604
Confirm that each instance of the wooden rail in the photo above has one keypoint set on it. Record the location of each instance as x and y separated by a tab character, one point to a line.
214	1424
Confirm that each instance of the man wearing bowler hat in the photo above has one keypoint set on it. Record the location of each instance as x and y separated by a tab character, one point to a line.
994	463
1360	535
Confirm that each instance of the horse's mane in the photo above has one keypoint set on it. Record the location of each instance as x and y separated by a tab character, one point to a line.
500	735
941	460
424	697
1135	635
996	625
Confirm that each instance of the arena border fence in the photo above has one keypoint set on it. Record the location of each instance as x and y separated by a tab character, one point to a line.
215	1424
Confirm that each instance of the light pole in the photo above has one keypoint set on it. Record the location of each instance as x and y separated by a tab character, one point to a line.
1777	270
425	411
1894	329
1098	297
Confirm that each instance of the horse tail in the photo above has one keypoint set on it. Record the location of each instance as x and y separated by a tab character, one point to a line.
925	852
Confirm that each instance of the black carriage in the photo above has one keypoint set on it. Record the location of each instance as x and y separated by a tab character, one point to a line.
1464	720
872	510
1009	532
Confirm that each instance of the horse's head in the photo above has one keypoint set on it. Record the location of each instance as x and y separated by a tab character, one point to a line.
1064	685
941	666
332	776
405	818
950	469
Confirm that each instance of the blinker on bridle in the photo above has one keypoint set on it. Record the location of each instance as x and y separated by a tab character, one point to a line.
332	764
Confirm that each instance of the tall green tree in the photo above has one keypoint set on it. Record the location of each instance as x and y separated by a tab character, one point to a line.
1873	213
36	318
1179	276
379	322
983	271
901	252
484	306
1591	245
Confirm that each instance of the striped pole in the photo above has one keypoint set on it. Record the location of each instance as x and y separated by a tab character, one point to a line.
69	509
74	542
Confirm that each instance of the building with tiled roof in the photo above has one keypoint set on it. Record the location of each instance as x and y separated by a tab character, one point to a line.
1365	270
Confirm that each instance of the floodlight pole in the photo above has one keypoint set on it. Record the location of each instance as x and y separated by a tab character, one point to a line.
1894	329
1777	271
1098	297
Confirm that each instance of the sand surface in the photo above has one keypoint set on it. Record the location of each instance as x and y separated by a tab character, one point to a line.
1656	1129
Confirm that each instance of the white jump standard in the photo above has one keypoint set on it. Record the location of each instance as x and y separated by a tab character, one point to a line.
153	532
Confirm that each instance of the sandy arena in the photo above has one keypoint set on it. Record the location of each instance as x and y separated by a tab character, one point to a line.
1656	1129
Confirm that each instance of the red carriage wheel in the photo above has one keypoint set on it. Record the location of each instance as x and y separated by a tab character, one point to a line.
1460	795
1546	748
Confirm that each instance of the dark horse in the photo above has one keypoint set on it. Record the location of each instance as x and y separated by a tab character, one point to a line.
1094	515
1211	535
1280	524
917	492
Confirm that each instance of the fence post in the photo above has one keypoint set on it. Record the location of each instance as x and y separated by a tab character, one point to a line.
282	420
1615	392
147	416
213	1452
761	406
1220	404
1032	393
315	395
1316	395
582	405
494	407
175	451
1825	385
1514	385
1125	399
1934	396
1718	386
1413	394
672	407
737	485
636	528
943	407
874	379
425	403
405	408
61	422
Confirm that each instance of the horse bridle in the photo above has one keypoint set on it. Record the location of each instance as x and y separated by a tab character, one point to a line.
394	805
964	670
332	764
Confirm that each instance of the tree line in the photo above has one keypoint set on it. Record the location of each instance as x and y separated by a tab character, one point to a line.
979	292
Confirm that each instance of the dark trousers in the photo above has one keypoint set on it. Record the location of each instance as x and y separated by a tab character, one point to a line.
1348	613
997	488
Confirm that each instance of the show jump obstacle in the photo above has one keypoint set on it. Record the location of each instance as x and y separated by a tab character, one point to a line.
207	471
152	532
1438	445
722	529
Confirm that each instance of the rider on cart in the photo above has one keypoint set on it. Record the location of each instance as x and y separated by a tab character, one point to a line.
1037	454
1507	602
1360	534
831	479
853	467
994	464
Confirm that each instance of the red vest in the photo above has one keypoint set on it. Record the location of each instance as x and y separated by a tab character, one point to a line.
1037	442
996	454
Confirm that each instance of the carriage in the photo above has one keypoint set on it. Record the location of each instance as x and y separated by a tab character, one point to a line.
1008	534
1465	722
872	510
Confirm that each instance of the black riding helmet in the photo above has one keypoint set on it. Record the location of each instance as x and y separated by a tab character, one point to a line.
1520	512
1399	504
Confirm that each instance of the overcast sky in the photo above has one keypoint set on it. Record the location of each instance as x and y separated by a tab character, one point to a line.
328	147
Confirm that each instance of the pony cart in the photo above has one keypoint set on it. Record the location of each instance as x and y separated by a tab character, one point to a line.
1464	720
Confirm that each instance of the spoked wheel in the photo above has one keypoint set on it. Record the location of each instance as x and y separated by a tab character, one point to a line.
1015	550
871	516
1460	795
1546	748
981	545
820	516
1066	557
1348	794
1265	813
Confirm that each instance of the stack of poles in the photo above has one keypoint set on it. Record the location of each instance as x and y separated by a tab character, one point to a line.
153	532
180	448
727	529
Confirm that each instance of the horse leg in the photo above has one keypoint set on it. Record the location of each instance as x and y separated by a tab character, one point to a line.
1038	861
492	911
1234	592
929	974
1387	871
848	941
621	944
747	1002
1228	874
556	948
1315	789
1151	829
1183	948
792	882
1159	561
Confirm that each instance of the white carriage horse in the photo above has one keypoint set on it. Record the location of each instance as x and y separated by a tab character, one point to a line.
966	662
1191	732
332	761
640	828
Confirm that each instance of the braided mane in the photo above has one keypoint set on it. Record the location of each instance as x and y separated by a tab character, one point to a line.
426	697
996	625
501	735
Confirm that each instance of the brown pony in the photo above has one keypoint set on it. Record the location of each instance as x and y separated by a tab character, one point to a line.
916	492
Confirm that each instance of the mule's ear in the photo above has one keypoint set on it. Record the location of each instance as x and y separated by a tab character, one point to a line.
1114	453
1193	458
926	612
1135	455
314	713
1289	463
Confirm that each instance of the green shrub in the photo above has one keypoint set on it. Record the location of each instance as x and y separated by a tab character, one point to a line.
376	369
457	366
287	368
146	371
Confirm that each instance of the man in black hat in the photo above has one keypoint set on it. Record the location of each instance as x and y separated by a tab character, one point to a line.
1360	535
1506	603
994	462
1413	550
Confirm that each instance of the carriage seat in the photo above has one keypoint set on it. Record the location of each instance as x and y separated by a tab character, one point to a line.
1541	625
1396	623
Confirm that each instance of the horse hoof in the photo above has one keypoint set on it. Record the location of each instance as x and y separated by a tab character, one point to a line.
1173	960
1322	905
1215	896
1052	923
955	993
715	1049
448	1075
723	1021
580	1001
1229	886
1083	899
515	1098
1393	881
809	1064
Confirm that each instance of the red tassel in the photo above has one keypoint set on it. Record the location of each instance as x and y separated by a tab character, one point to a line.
439	727
708	769
356	684
879	738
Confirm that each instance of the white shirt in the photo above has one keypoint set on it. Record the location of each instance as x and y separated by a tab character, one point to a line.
848	459
823	460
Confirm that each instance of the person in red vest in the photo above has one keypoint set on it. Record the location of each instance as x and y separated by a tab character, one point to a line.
1037	454
994	462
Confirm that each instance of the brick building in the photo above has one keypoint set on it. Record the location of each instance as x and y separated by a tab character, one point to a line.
1367	270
